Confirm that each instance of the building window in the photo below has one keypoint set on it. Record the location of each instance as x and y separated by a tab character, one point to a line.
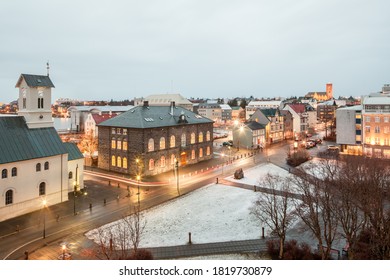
119	162
9	197
201	152
24	103
173	140
192	138
193	154
38	167
368	128
113	143
368	140
125	163
119	144
124	147
386	119
14	172
4	173
183	140
151	145
151	164
377	140
377	129
46	165
208	151
377	119
42	188
125	131
70	175
162	143
200	137
386	129
162	161
40	103
113	130
113	161
118	131
208	137
368	118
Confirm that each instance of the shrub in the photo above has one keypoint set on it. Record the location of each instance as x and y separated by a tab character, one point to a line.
292	251
141	254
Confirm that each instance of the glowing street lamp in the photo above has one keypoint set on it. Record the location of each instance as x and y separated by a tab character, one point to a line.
63	251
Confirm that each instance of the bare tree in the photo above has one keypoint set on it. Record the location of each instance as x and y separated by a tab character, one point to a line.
272	206
316	207
136	225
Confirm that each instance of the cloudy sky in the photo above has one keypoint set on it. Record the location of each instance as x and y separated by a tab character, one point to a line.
121	49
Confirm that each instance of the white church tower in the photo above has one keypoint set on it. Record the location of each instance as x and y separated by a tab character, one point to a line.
35	100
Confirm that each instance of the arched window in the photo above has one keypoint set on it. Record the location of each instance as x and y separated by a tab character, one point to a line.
70	175
208	151
193	154
208	136
162	143
200	137
162	161
173	159
124	145
113	161
119	144
40	103
183	140
201	152
119	162
192	138
151	164
151	145
125	163
42	188
113	143
46	165
9	197
4	173
14	172
172	142
38	167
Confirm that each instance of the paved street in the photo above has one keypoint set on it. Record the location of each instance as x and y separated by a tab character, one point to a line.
112	199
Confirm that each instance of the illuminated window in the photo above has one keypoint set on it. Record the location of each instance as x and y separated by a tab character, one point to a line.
377	140
368	128
125	131
113	161
208	151
124	147
193	154
151	145
172	141
162	161
162	143
113	130
201	152
113	143
119	144
377	129
192	138
173	159
151	164
368	140
200	137
208	137
125	163
119	162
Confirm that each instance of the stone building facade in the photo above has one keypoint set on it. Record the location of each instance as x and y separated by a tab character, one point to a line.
149	140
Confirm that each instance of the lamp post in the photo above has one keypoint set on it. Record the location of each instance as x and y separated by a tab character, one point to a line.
63	251
44	217
177	176
138	179
74	197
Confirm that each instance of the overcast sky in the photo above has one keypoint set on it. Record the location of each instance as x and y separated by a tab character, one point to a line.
121	49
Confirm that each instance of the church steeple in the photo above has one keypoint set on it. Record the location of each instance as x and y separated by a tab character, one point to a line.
35	100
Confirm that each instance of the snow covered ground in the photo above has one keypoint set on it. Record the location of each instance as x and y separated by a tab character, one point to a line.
214	213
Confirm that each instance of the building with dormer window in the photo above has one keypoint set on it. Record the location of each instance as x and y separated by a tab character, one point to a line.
150	139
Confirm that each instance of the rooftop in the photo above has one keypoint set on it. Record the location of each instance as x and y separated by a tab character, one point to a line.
35	80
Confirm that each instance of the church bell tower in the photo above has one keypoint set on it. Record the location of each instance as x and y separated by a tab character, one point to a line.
35	100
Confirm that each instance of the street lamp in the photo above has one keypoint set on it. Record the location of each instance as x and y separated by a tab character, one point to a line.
138	179
74	197
63	251
177	175
44	202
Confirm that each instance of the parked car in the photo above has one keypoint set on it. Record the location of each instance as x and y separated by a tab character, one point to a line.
228	143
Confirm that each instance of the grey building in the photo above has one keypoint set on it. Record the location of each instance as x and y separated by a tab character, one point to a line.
150	140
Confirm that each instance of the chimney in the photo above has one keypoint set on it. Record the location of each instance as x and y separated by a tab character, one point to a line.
146	103
172	106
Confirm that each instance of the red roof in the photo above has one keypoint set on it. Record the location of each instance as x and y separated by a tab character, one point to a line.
298	108
102	117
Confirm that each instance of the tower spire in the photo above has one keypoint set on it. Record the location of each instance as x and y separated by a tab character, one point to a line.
47	68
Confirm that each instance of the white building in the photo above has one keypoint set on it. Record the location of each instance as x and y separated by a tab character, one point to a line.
34	162
165	100
264	104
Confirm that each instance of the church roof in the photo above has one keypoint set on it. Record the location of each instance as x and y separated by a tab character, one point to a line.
18	142
35	80
154	116
73	151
